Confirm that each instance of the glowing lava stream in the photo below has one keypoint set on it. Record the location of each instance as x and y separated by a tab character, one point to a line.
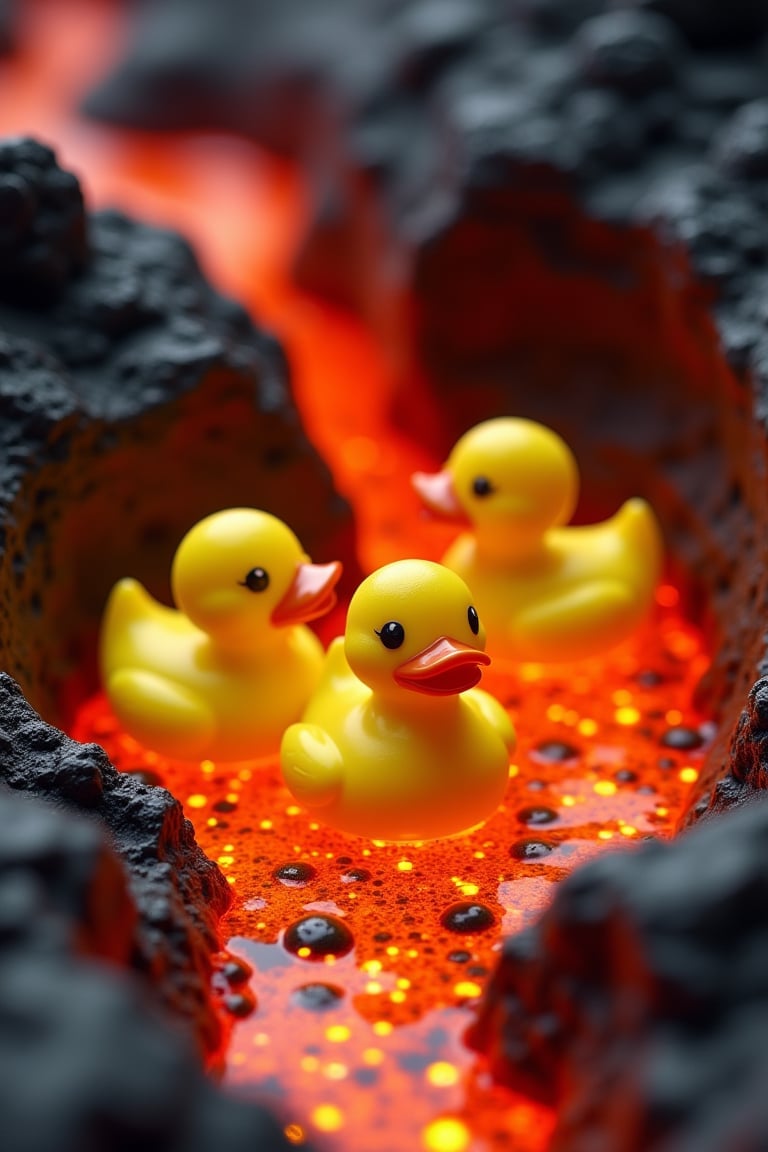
367	1046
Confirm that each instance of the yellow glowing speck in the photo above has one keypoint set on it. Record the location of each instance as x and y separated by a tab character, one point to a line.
373	967
197	800
479	855
661	811
404	866
403	981
225	860
292	810
467	989
335	1071
373	988
673	716
309	1063
261	1040
237	1058
442	1074
304	952
382	1028
393	950
366	851
604	834
628	830
688	775
412	953
568	801
398	996
373	1056
327	1118
294	1133
245	774
212	822
265	825
207	766
531	672
587	727
446	1135
229	847
231	879
514	770
469	889
232	798
626	716
337	1033
605	788
555	712
314	826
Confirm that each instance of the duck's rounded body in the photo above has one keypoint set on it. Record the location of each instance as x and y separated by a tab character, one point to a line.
546	592
417	752
221	677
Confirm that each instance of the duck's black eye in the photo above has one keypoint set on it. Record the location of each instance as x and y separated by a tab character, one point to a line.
474	621
256	580
481	486
391	634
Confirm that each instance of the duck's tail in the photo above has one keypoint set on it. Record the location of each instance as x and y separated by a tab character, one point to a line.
638	527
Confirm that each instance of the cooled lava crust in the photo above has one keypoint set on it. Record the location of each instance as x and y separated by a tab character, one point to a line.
133	401
558	210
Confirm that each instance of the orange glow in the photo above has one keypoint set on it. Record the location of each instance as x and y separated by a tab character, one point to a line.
382	1065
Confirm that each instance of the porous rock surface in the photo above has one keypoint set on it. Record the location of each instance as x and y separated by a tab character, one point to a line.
89	1062
179	894
639	1001
133	401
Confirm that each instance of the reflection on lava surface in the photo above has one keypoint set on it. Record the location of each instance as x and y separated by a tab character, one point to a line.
367	1045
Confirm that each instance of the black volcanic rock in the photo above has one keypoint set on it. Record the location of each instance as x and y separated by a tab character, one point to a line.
639	999
88	1059
133	401
42	223
179	894
746	775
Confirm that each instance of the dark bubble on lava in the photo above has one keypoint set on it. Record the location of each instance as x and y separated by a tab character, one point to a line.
236	971
296	874
467	917
460	956
649	678
683	739
355	876
318	997
555	751
530	849
537	814
625	776
322	934
240	1004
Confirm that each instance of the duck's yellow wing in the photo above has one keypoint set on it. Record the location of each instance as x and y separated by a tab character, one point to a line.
312	765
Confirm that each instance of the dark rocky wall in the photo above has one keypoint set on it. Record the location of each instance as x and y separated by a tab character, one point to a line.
89	1061
638	1003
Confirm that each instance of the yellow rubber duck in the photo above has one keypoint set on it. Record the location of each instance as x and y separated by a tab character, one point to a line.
221	677
545	592
397	743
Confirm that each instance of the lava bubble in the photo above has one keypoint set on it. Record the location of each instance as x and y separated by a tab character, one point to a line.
355	876
318	997
236	971
314	937
555	751
296	874
460	956
625	776
530	849
537	814
467	917
683	739
240	1004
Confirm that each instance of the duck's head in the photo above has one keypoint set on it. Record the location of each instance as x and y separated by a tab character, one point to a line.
412	626
241	572
509	475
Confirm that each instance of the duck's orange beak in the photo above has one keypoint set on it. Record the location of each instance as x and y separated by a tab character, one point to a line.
438	494
310	594
443	669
